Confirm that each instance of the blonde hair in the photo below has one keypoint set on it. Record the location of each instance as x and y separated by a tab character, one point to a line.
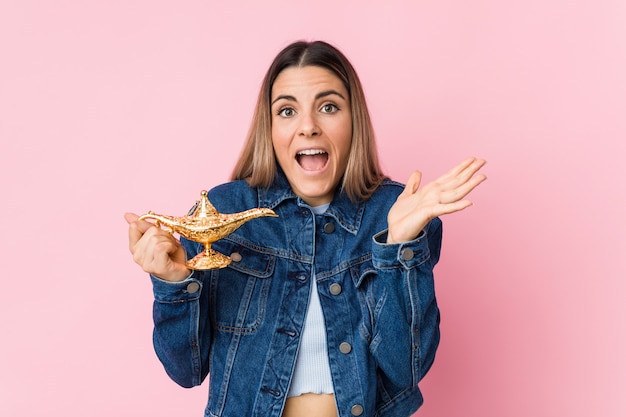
257	163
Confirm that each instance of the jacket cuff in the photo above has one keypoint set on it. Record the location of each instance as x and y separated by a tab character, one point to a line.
169	292
402	254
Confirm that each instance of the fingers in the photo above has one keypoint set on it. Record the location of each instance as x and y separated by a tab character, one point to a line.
465	170
463	189
470	170
461	167
462	179
446	194
467	166
453	207
138	229
468	179
154	250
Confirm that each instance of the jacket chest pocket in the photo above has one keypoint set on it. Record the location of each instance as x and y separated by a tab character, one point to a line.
238	293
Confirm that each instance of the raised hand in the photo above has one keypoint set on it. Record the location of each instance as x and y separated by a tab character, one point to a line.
416	206
155	250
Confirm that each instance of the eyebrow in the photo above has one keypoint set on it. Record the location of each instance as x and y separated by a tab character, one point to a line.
317	96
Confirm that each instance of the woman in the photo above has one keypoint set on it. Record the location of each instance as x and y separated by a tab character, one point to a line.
328	309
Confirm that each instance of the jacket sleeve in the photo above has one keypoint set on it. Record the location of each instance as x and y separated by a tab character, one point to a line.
182	334
406	328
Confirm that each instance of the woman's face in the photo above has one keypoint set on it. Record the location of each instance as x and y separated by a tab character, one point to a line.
311	130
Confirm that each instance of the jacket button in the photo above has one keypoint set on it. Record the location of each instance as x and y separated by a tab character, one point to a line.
193	287
345	348
235	256
335	289
356	410
329	227
407	254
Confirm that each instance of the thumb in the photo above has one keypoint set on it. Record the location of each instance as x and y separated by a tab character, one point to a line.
130	217
136	225
413	182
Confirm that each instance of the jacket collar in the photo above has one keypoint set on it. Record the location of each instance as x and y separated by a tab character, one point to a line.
347	214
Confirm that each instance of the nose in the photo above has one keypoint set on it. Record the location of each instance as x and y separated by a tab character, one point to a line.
308	126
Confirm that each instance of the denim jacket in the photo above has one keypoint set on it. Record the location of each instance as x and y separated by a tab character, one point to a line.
242	324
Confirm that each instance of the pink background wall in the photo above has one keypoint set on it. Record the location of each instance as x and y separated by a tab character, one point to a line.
95	95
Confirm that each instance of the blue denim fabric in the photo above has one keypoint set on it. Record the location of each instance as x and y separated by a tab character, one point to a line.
243	323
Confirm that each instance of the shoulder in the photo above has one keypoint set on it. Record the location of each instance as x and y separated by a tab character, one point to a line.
238	186
390	186
233	196
386	193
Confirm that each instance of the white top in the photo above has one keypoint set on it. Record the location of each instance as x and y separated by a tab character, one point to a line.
312	370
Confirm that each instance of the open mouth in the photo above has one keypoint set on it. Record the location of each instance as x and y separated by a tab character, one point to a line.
312	159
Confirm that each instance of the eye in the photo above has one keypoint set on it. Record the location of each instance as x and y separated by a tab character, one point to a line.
329	108
286	112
